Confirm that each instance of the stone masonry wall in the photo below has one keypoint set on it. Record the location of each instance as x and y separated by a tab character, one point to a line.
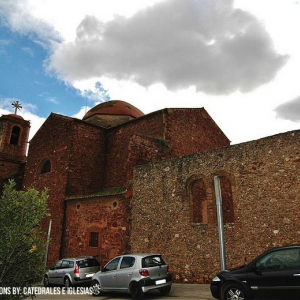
265	183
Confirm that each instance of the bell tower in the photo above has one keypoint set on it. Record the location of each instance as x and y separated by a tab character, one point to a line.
14	132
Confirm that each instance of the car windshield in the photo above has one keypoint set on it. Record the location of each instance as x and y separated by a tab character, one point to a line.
152	261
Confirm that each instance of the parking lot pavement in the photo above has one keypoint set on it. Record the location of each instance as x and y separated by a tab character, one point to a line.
178	292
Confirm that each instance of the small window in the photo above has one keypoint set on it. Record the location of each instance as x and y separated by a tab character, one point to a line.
113	265
198	202
127	262
46	166
227	200
94	239
15	135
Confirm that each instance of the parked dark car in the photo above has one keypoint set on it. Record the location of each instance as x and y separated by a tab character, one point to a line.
72	271
274	274
135	274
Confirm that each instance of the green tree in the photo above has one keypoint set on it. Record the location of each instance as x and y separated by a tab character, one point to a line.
22	242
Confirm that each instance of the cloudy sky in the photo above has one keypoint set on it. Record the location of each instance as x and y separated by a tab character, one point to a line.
238	59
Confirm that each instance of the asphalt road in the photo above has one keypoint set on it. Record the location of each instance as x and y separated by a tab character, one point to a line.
178	292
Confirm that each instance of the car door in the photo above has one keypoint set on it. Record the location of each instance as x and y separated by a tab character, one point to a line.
63	270
52	273
124	272
277	275
108	276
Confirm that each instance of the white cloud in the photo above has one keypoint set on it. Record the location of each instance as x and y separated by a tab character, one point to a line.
17	15
289	110
156	54
82	112
209	45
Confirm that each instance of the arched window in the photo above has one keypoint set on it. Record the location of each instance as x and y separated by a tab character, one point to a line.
198	201
15	135
45	166
227	201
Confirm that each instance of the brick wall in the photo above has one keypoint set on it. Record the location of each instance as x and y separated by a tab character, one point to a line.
264	177
108	216
11	170
184	131
51	142
86	159
118	140
192	130
86	168
13	151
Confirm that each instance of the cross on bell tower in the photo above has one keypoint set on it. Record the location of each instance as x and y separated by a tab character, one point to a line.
17	105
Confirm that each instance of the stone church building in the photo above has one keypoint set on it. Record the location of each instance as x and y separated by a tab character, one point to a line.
120	181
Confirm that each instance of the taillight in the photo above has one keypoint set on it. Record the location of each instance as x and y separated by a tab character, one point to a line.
144	272
169	269
76	270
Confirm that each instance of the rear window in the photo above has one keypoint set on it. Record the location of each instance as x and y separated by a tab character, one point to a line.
152	261
85	263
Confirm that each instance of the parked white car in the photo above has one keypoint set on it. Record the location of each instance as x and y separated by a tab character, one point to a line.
135	274
72	271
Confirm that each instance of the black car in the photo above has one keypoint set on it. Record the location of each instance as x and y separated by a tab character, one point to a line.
273	275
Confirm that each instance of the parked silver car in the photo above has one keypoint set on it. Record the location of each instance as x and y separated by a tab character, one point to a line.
72	271
135	274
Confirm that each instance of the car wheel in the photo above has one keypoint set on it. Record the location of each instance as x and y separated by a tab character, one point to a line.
67	283
234	292
96	288
136	292
46	281
165	290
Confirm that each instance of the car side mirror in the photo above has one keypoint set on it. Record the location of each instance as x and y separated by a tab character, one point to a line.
255	270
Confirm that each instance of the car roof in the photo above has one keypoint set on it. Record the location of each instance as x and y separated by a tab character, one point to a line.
140	254
78	258
282	247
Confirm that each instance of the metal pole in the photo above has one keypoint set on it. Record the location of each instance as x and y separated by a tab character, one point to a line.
48	241
220	222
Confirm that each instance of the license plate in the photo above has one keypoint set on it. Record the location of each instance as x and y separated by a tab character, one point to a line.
157	282
89	275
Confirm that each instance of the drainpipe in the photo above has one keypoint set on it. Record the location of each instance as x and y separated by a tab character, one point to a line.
220	222
47	243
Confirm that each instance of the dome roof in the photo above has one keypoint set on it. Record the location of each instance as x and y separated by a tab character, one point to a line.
114	107
16	116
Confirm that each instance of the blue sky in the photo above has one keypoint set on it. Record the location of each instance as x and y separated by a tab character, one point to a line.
23	77
238	59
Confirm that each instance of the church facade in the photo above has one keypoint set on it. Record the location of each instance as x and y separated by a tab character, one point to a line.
120	181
